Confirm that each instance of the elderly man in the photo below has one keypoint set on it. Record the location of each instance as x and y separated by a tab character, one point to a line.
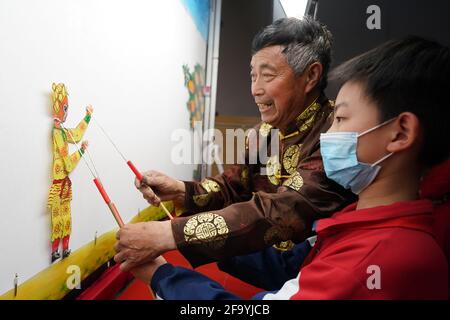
242	210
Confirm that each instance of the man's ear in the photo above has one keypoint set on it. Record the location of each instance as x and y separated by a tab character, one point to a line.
405	133
313	76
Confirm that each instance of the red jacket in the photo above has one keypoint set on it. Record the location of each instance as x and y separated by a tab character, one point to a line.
436	186
387	252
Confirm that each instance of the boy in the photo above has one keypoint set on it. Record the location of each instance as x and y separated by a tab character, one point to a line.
389	126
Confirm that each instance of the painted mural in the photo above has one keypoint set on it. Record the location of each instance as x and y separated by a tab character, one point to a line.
199	11
195	83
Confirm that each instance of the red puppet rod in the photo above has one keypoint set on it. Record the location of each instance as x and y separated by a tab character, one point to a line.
108	201
135	170
102	190
139	177
130	164
98	183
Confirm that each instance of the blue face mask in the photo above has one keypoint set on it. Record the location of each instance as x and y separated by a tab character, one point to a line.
341	163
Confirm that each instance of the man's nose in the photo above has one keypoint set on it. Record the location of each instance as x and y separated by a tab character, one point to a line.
257	90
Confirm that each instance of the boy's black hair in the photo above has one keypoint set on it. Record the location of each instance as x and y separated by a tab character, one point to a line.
306	41
412	74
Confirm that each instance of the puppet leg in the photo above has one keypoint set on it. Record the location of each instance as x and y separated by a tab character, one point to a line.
56	230
67	223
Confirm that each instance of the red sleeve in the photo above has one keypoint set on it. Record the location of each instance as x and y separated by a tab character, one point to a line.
323	281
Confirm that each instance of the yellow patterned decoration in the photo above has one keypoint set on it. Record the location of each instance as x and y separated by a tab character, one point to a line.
306	118
273	170
210	185
295	181
202	200
264	130
307	124
291	158
284	245
59	92
209	228
293	134
244	176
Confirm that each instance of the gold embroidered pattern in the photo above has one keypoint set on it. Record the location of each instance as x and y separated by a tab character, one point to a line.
306	118
295	182
208	228
264	130
202	200
291	158
293	134
284	245
210	185
307	124
273	170
244	176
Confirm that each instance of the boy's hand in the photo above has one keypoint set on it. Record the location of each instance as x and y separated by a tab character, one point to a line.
146	271
142	242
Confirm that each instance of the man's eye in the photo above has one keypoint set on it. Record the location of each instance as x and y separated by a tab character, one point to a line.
268	75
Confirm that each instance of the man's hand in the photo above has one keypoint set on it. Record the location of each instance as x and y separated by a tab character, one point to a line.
146	271
142	242
157	187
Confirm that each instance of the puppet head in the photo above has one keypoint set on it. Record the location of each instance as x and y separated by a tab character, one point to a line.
60	102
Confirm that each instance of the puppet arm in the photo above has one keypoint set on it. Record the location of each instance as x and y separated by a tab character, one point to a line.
76	134
70	160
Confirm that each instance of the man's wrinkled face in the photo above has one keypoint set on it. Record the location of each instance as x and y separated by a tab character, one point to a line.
278	93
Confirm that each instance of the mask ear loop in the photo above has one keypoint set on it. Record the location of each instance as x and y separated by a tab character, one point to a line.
372	129
382	159
376	127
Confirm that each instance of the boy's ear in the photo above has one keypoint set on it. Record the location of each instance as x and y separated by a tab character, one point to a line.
405	132
313	75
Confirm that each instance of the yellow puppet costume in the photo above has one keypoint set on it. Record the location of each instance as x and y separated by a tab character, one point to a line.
60	193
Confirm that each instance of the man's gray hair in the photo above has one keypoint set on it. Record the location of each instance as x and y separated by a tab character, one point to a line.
305	40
